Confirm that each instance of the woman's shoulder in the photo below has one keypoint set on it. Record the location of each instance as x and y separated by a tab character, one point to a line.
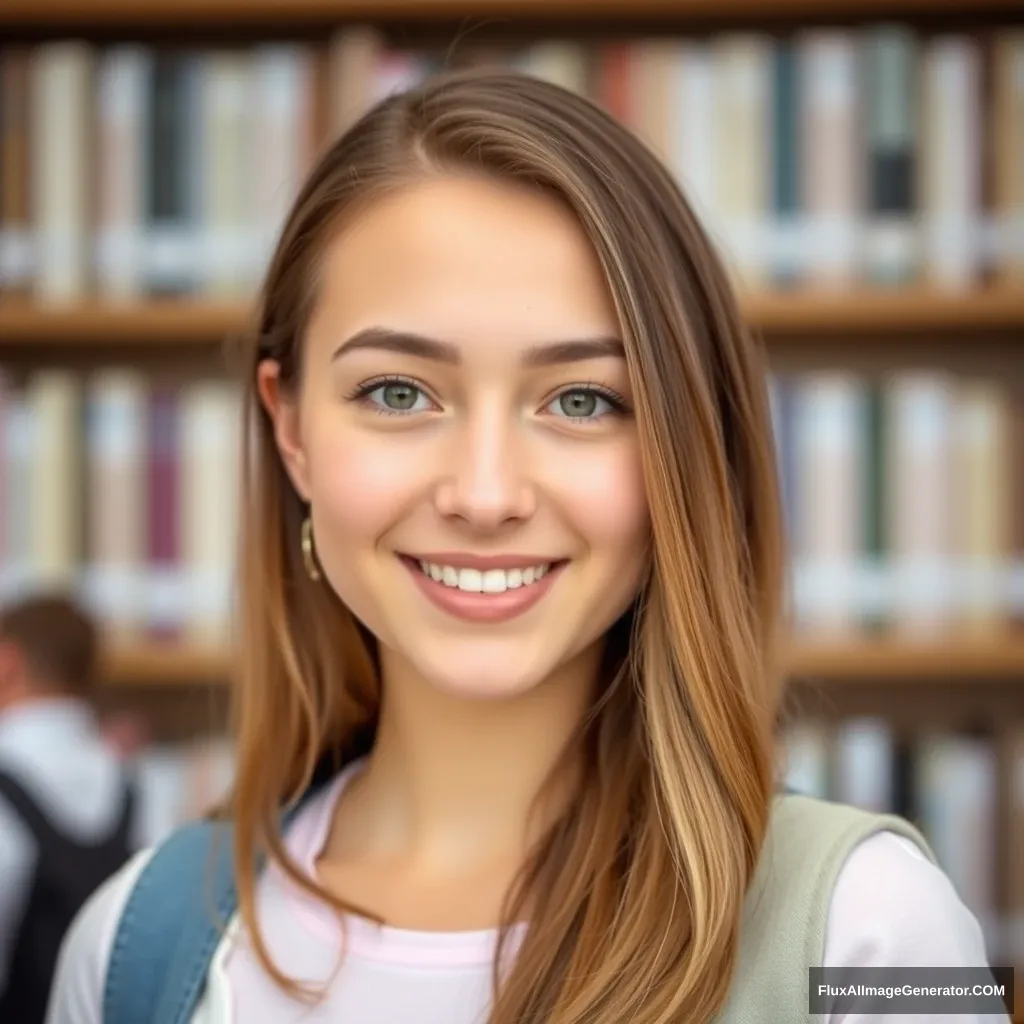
892	905
840	886
77	993
809	835
871	878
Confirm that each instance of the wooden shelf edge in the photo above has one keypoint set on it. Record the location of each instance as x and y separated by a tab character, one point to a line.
963	662
164	664
103	13
785	314
163	322
885	311
999	657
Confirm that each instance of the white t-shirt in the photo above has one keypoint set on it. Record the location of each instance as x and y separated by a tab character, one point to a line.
890	906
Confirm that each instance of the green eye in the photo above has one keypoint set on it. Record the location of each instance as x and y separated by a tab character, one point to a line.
578	404
400	397
583	404
393	396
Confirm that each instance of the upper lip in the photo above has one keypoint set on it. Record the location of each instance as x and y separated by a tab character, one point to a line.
466	560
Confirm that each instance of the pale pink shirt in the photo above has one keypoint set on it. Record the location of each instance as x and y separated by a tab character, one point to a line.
890	906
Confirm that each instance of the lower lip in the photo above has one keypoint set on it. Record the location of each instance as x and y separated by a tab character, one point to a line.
483	607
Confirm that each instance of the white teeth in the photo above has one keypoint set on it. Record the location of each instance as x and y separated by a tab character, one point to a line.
493	581
469	579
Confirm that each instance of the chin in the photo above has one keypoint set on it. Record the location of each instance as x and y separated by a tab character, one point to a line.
484	671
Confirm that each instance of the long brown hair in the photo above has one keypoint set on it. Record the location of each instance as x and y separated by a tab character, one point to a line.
637	891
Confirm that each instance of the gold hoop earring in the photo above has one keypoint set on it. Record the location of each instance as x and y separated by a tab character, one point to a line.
308	554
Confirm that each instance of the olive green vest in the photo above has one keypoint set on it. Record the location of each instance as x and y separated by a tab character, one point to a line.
786	913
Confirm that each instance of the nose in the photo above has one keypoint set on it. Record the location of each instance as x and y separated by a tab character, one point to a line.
484	483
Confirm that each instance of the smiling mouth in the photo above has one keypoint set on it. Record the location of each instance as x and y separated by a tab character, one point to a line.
483	581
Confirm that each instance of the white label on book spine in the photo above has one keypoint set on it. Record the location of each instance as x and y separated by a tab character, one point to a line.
228	251
13	577
789	242
113	592
1014	590
167	595
827	591
875	587
954	247
60	251
832	244
210	597
119	252
17	257
891	247
172	255
924	586
1003	239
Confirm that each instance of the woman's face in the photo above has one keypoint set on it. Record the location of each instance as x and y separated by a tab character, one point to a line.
464	436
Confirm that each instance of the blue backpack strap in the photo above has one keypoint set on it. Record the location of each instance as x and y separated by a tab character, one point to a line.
172	922
170	928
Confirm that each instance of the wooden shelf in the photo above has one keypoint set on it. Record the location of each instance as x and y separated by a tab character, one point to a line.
814	316
963	662
165	323
967	661
164	664
877	312
177	13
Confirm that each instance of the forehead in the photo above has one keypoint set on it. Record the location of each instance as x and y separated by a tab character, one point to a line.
470	260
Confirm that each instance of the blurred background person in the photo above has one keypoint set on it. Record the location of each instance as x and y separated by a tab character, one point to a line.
66	805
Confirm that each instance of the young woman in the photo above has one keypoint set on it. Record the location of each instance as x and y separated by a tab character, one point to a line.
510	592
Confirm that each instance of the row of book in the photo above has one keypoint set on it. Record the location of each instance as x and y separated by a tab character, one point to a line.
829	156
123	490
964	791
903	498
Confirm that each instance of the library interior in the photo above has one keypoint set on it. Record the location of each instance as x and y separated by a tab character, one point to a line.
859	167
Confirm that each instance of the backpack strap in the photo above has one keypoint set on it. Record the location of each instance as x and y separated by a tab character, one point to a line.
170	928
24	805
173	920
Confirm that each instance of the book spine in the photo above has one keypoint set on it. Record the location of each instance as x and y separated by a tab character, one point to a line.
892	250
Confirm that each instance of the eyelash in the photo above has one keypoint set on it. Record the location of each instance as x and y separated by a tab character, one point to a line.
364	390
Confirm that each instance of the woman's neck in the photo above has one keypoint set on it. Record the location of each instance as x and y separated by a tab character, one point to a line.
451	781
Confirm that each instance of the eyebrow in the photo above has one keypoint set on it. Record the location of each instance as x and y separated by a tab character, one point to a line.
411	344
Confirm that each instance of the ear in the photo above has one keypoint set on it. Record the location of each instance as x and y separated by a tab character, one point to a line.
283	410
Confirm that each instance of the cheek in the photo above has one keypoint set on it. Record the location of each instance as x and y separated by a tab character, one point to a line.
359	485
602	494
